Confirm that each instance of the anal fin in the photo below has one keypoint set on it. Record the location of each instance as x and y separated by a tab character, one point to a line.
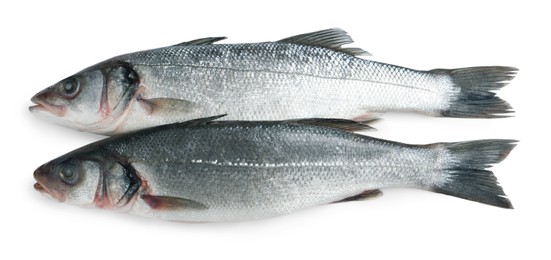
172	203
368	194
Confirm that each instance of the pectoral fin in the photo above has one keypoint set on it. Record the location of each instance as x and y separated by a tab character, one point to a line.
172	203
368	194
166	105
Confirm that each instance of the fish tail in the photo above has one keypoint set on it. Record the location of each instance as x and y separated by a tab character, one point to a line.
466	175
473	94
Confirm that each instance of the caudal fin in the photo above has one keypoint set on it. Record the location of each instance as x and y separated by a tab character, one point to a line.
474	95
466	175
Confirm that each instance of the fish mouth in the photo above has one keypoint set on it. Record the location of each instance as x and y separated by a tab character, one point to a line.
38	187
43	106
43	189
49	193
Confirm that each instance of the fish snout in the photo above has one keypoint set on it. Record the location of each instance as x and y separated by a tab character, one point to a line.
40	173
43	95
44	179
41	99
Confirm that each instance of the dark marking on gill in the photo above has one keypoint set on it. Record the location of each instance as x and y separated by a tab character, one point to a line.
134	184
130	77
109	64
133	81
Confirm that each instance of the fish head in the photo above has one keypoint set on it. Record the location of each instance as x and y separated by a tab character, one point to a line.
95	99
67	180
89	181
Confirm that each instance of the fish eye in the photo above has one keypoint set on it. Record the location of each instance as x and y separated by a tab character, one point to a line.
68	173
69	87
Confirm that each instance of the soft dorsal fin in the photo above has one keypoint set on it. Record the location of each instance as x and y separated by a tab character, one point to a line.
333	39
202	41
348	125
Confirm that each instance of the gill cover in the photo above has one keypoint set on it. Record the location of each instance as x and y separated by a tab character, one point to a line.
119	87
118	184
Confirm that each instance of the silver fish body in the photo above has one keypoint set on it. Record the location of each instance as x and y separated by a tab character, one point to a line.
304	76
226	171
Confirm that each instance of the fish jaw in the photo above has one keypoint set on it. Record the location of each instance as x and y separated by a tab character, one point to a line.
43	106
38	187
50	107
41	176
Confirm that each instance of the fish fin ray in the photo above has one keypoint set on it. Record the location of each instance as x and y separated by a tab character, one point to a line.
369	117
332	38
474	88
344	124
172	203
365	195
467	176
202	121
201	41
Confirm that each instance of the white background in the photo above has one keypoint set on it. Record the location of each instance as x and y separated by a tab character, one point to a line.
45	41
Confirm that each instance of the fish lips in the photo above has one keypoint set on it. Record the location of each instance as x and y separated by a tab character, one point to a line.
41	177
43	106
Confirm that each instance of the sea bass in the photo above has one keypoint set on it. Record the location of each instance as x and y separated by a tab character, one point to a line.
305	76
209	171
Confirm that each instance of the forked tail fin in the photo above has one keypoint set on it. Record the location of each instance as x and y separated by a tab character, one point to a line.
474	91
466	175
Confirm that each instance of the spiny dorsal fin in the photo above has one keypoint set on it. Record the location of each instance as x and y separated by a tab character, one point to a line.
201	121
202	41
333	39
348	125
